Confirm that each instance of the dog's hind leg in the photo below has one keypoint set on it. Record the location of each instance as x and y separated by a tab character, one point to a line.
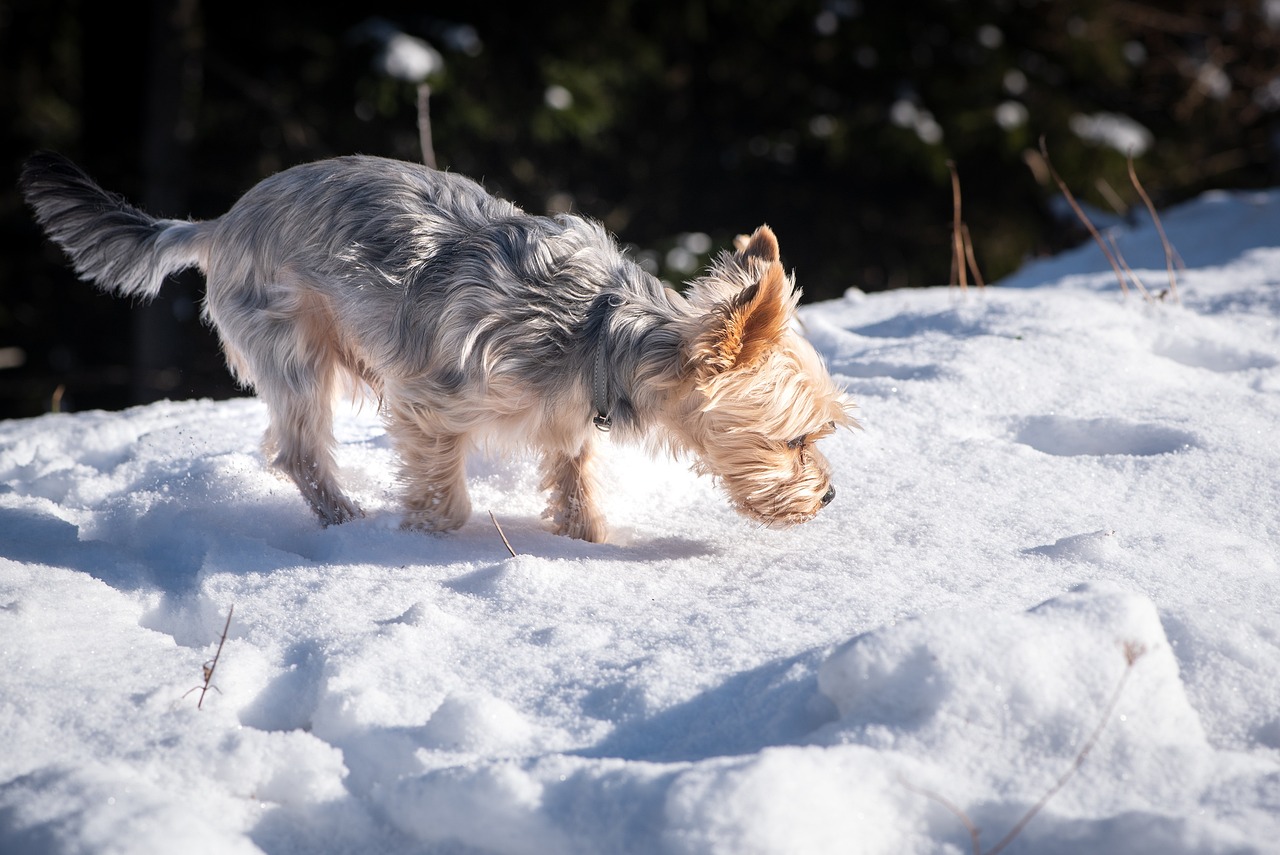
285	348
300	437
432	471
572	506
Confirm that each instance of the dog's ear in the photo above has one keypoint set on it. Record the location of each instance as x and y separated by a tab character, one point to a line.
743	328
732	270
762	245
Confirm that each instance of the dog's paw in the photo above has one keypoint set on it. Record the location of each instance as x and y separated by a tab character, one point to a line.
336	510
579	526
436	510
430	523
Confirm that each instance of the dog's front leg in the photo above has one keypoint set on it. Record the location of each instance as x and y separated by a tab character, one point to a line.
572	504
432	475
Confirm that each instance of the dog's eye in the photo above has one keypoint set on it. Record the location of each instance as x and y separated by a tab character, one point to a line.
798	442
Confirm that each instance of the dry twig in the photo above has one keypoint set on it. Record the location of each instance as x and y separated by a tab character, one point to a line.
962	258
1137	281
1075	206
1164	240
505	542
958	271
973	262
1108	192
211	664
957	812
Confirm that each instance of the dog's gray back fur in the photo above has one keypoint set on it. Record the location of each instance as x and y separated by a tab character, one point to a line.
450	278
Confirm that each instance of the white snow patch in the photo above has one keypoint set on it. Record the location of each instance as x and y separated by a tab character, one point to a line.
1049	475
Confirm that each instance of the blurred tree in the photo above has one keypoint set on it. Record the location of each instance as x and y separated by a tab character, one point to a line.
163	329
676	124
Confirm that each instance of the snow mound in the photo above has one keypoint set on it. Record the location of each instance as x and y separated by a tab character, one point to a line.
1005	703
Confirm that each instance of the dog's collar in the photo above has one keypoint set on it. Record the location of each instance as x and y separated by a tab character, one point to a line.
600	391
603	418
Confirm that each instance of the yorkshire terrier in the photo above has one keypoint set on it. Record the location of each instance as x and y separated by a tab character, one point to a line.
474	323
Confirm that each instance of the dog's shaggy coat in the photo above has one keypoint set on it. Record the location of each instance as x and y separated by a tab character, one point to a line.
474	322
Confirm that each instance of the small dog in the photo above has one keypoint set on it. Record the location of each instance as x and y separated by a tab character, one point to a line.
474	322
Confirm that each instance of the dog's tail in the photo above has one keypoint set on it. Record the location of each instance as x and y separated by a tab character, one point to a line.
110	242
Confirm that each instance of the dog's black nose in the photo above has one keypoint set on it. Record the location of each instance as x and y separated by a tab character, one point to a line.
828	496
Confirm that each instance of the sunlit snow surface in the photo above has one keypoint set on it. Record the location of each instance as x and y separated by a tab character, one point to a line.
1050	474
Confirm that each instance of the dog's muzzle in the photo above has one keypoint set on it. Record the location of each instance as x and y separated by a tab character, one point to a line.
828	496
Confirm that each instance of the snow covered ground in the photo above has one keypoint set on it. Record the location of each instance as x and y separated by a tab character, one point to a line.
1060	495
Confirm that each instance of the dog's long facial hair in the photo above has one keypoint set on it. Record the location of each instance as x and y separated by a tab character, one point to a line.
475	324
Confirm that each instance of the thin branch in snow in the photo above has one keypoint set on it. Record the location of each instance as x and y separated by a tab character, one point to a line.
962	259
1108	192
1164	240
973	262
958	272
211	664
974	831
1115	247
505	542
1075	206
1132	652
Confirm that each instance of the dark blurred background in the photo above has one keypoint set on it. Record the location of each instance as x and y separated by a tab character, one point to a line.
678	124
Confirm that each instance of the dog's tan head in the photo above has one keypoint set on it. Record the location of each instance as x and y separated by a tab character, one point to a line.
761	397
